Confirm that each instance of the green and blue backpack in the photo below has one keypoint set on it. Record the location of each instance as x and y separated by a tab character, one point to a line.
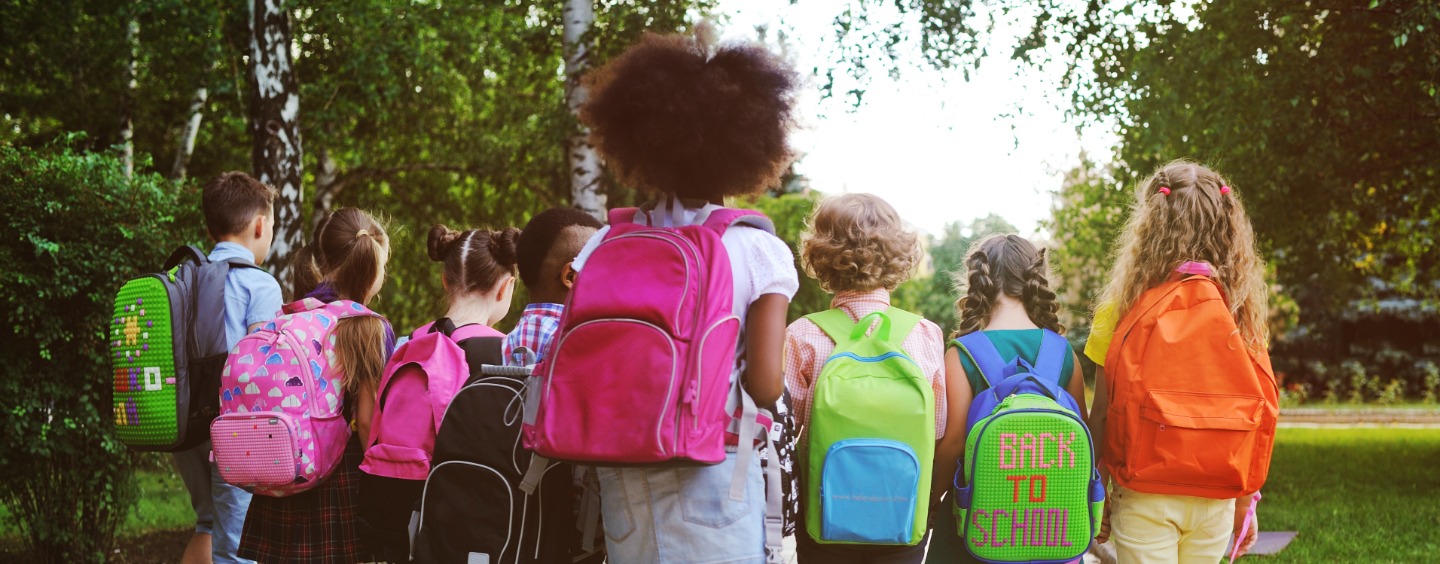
1029	490
167	346
871	437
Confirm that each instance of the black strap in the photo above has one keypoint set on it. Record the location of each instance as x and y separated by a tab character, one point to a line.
242	263
443	326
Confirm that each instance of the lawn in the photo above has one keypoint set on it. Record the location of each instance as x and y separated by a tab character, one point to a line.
1355	495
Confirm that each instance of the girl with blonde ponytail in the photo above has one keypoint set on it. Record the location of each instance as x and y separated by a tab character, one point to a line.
348	252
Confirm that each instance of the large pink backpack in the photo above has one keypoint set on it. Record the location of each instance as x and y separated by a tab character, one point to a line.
639	372
281	430
418	383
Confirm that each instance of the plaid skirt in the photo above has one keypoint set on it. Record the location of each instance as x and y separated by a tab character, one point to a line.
317	526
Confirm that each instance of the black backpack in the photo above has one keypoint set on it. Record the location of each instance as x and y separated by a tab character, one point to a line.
167	344
473	504
388	505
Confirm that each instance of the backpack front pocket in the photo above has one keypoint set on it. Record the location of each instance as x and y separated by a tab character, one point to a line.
868	492
1196	439
259	449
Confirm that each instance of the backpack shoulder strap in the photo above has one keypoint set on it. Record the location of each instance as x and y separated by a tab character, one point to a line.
1050	361
721	219
983	353
834	322
241	263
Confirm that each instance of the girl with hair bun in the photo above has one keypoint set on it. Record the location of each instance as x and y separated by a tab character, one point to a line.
1007	297
479	272
689	123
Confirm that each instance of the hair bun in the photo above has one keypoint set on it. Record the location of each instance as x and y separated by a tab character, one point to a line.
502	247
440	241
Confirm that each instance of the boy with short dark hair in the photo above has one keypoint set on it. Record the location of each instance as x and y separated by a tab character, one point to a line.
544	253
240	217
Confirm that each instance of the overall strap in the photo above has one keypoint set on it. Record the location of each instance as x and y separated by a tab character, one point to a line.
983	353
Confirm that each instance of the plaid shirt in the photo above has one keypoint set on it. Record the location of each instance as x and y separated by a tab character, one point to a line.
807	347
538	323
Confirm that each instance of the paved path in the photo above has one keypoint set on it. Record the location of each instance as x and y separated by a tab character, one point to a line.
1421	417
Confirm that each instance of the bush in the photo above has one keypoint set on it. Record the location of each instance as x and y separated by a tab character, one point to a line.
74	228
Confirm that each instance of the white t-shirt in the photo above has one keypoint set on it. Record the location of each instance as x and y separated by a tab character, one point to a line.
760	264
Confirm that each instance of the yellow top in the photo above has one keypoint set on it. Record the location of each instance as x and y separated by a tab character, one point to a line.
1102	328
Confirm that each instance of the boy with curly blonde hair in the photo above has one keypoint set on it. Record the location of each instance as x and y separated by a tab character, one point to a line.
857	247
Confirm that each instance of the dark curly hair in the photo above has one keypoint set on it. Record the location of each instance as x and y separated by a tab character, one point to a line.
673	115
1010	264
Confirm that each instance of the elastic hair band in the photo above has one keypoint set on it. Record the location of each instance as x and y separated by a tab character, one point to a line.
362	233
1224	189
1165	190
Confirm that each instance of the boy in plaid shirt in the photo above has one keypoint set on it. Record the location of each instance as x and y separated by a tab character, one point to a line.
546	248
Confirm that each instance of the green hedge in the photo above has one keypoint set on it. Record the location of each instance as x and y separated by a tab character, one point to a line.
72	228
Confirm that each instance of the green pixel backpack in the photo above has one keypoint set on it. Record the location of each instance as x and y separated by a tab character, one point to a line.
871	437
1028	490
167	345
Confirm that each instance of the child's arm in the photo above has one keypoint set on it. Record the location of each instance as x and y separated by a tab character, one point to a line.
764	345
1077	388
364	411
952	446
1097	433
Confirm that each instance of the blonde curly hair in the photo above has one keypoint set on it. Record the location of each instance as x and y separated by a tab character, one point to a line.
856	242
1197	217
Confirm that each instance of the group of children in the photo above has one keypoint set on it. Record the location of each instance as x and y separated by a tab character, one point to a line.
691	124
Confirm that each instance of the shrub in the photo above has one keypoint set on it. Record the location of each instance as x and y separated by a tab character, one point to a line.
74	228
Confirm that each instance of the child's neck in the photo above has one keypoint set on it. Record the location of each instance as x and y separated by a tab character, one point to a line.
466	310
1009	313
246	242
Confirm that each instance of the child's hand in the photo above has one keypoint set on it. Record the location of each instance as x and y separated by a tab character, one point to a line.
1104	522
1242	506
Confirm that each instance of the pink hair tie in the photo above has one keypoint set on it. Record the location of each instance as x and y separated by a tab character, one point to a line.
1165	190
1224	189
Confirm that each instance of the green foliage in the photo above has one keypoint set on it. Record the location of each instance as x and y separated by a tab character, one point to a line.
1090	210
789	212
933	295
75	228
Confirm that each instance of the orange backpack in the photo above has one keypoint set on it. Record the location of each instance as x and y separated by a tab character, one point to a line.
1192	410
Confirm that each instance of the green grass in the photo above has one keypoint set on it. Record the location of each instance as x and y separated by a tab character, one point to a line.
163	505
1355	495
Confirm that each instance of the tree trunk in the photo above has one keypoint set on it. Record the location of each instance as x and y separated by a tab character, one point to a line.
186	146
325	188
275	126
585	166
127	105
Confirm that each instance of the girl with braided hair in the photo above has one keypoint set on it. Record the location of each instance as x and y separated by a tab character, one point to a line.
1006	295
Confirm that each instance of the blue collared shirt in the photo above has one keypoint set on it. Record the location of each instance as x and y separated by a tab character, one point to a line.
251	296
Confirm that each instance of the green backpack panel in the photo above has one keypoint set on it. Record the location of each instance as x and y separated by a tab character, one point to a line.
872	435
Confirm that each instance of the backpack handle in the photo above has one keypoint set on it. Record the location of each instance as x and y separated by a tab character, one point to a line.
185	253
882	332
1012	385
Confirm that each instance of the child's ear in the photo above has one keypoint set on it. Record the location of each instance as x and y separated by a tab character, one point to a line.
257	227
568	274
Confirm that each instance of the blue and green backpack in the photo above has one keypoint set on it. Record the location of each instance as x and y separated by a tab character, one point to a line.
871	436
1028	490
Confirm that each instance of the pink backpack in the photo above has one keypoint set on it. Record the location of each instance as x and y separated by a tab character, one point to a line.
419	381
281	430
639	372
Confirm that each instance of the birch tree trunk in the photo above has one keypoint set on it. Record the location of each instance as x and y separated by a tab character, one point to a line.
186	146
127	130
275	126
585	166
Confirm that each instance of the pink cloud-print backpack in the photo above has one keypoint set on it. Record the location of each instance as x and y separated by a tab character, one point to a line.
281	430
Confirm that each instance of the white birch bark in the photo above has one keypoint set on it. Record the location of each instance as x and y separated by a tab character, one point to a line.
585	165
127	130
186	145
275	126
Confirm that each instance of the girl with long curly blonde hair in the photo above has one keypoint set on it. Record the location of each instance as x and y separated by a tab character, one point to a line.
1186	220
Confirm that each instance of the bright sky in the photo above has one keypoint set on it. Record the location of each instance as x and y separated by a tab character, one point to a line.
940	149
